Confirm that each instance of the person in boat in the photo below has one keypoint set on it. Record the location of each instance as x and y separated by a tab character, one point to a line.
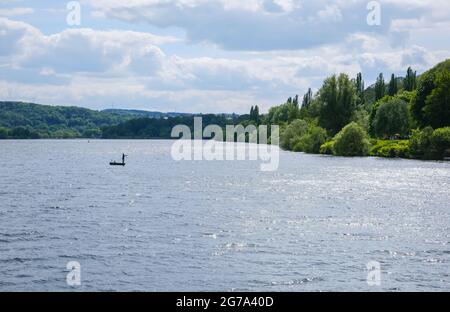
123	158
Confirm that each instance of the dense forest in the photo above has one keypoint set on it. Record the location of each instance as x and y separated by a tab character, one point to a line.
32	121
161	128
20	120
405	117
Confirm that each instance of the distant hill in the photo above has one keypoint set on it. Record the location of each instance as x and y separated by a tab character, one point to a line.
159	115
29	120
161	128
143	113
19	120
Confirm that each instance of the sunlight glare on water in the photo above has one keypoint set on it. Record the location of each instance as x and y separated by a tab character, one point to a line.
161	225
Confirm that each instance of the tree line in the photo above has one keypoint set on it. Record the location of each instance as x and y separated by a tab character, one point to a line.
405	117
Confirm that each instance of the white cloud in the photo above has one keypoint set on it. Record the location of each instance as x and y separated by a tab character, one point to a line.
275	24
258	25
256	52
16	12
330	13
81	50
246	25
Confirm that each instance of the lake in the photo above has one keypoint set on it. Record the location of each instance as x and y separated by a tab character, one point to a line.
160	225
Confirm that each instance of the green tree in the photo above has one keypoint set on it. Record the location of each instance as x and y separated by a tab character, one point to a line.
352	140
360	89
393	86
293	132
431	144
424	88
254	114
392	117
293	112
92	133
257	113
278	114
436	112
295	101
380	87
311	141
3	133
337	102
361	117
410	80
440	142
327	148
283	113
307	99
23	133
420	143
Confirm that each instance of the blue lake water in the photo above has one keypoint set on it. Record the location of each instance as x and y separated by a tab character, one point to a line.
161	225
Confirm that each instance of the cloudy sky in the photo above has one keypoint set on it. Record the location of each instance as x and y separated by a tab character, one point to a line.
207	56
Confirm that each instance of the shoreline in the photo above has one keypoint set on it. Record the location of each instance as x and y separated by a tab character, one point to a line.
174	139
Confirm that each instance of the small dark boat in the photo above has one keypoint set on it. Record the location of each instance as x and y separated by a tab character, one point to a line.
113	163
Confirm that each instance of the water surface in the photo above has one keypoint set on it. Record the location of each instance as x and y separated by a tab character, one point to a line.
160	225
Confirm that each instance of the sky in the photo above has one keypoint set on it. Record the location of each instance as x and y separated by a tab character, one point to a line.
208	56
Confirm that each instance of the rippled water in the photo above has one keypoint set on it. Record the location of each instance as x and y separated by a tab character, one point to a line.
160	225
